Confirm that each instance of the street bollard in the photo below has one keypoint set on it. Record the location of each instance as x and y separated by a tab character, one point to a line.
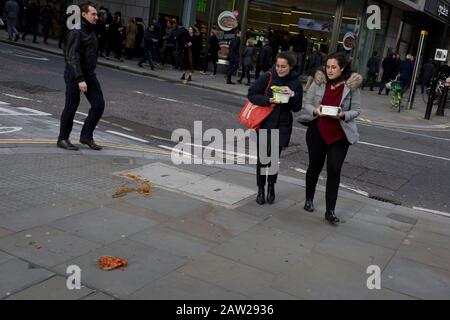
443	100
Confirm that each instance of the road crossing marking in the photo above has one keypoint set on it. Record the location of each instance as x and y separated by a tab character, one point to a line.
28	112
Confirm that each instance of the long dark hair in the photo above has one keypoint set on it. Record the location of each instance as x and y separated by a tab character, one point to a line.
344	63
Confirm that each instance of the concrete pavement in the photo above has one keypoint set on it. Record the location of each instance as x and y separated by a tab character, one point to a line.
199	234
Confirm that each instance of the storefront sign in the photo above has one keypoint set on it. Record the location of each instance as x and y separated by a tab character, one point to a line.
441	55
349	41
227	21
442	10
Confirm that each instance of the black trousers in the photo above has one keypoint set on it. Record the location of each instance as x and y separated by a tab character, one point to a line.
261	177
232	68
335	155
95	97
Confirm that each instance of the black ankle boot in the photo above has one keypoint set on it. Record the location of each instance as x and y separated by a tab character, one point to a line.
271	193
330	216
309	205
261	199
183	77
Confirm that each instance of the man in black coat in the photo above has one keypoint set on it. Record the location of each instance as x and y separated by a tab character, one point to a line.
389	72
181	36
299	44
234	56
373	68
428	70
80	53
31	20
265	58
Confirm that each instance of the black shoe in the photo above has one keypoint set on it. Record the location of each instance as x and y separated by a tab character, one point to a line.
309	205
91	144
183	77
261	199
190	78
140	65
330	216
248	84
229	82
240	81
66	144
153	68
271	193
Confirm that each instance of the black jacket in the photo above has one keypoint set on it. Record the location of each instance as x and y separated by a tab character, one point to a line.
265	58
233	53
213	48
80	51
281	117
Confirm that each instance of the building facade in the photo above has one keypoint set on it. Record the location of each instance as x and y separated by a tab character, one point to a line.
325	23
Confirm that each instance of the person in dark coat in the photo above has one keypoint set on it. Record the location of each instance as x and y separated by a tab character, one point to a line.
299	45
150	40
139	37
213	52
80	54
428	70
233	56
116	34
47	20
31	20
188	58
265	58
181	35
170	44
100	30
389	72
373	68
281	118
315	63
247	62
406	72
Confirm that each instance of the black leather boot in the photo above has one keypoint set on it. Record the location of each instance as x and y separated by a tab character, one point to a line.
330	216
261	199
309	205
271	193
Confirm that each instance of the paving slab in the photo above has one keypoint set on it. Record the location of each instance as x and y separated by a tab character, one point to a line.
4	232
145	264
270	294
354	250
269	249
180	205
103	225
429	238
323	277
372	233
177	243
425	253
54	288
179	286
228	274
17	275
380	216
416	279
98	296
5	257
45	246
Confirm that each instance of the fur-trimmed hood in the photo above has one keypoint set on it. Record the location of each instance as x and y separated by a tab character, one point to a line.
354	82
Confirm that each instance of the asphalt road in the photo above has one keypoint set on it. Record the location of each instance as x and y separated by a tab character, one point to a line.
403	166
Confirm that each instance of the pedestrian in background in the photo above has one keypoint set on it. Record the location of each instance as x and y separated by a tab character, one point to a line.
11	13
373	68
188	58
406	72
197	47
150	40
47	20
31	16
282	75
389	72
247	61
130	40
315	63
213	52
329	137
265	58
428	70
233	56
170	44
80	53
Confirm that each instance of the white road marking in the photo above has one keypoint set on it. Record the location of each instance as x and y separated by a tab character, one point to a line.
17	97
445	214
2	103
31	112
405	151
187	154
29	57
104	121
167	99
83	114
160	138
138	92
126	136
78	122
9	129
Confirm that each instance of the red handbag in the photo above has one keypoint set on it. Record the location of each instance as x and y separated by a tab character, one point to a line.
253	115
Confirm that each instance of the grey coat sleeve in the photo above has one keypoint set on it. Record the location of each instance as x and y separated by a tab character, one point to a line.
355	106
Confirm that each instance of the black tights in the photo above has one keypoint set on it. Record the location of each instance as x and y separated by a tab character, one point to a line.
335	154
